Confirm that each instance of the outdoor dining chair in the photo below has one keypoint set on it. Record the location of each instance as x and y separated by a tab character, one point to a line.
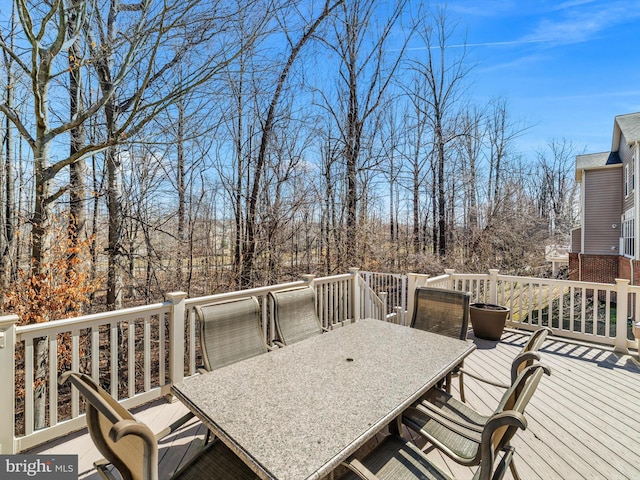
230	332
132	448
395	458
295	314
524	359
442	311
438	418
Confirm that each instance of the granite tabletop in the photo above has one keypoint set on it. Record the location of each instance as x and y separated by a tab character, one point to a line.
295	413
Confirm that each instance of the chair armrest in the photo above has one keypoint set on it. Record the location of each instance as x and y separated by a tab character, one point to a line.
521	361
466	434
359	469
434	412
102	467
482	379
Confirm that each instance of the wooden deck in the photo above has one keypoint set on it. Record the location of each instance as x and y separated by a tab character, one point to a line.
583	421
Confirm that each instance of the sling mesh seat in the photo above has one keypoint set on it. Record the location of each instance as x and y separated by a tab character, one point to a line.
131	447
434	416
230	332
395	458
525	358
442	311
295	315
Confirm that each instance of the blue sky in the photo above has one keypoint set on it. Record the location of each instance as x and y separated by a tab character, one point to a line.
566	68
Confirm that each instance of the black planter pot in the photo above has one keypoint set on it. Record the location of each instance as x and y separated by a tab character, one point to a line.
488	320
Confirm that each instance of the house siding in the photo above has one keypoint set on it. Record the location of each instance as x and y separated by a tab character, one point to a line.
576	240
603	210
625	152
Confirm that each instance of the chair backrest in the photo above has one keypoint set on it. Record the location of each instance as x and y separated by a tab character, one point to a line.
517	396
441	311
295	314
509	416
230	332
126	443
529	352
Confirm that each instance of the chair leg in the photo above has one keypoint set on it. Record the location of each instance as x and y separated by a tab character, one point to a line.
460	375
447	383
514	471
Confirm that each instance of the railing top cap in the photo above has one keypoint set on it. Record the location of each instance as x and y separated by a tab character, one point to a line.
8	320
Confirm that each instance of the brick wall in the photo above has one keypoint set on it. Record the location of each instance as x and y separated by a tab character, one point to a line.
626	266
595	268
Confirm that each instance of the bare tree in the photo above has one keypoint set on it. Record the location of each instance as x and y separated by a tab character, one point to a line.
249	253
470	147
443	77
185	29
8	260
364	77
555	187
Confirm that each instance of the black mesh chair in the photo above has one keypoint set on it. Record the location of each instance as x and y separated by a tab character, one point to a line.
230	332
442	311
439	417
525	358
132	449
295	314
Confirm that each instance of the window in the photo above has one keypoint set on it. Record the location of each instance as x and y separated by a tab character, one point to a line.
628	234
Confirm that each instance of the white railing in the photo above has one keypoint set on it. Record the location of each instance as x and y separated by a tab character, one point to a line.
136	353
391	288
159	344
579	310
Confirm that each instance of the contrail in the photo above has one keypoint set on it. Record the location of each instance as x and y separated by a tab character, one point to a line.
487	44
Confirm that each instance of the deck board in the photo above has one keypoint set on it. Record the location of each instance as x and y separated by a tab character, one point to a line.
582	421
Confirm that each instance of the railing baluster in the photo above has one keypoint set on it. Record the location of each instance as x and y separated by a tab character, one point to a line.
75	366
28	387
162	325
191	319
53	383
131	358
147	352
95	353
113	353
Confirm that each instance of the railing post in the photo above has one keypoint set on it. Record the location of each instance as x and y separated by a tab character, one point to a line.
412	279
450	272
176	336
493	285
403	301
384	296
399	315
7	383
308	279
622	312
355	290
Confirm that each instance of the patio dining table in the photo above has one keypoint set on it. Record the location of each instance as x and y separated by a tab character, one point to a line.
297	412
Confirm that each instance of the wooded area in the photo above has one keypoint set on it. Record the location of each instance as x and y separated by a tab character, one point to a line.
203	146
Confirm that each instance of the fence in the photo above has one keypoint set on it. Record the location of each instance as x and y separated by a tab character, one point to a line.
137	353
593	312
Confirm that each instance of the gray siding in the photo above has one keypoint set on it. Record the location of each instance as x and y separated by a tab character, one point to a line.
602	209
626	153
576	240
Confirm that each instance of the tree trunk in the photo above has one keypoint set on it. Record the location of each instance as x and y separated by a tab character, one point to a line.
77	170
115	250
181	196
